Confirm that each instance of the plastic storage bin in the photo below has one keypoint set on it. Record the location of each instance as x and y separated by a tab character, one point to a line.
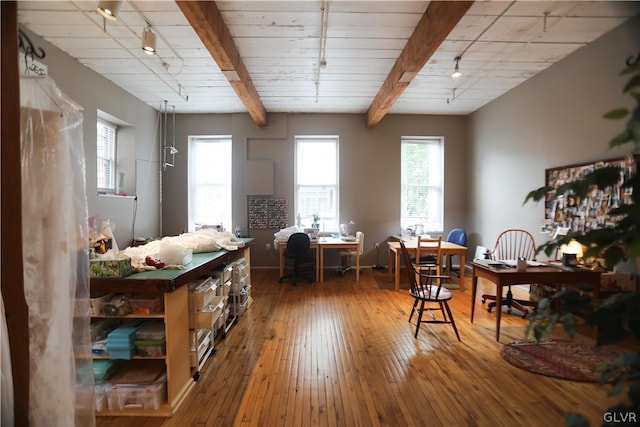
95	302
139	396
151	330
101	397
207	317
150	304
151	348
201	292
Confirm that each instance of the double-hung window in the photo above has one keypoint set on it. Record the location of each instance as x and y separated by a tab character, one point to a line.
209	181
316	180
422	169
106	155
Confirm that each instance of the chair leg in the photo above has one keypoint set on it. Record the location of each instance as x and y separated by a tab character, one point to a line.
453	323
419	318
413	309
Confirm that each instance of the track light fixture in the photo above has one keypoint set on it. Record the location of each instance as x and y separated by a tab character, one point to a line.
456	69
109	9
148	41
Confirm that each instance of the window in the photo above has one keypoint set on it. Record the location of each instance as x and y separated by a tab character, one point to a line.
422	199
106	155
316	180
209	181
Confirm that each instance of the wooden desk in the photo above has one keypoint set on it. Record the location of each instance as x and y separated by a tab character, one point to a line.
282	246
338	243
510	276
319	246
447	248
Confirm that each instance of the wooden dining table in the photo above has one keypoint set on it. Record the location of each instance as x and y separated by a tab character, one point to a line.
447	248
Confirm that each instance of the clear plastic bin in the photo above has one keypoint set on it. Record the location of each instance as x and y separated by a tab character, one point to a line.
138	396
151	330
151	348
151	304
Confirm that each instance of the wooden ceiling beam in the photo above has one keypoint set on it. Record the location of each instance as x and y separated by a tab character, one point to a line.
434	26
206	20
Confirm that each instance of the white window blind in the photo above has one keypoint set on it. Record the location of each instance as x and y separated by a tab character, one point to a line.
316	180
106	156
210	181
422	180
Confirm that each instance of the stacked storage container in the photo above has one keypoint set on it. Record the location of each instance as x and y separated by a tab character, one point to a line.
205	308
224	275
240	287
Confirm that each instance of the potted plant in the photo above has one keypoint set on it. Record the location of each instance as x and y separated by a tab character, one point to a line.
316	220
617	243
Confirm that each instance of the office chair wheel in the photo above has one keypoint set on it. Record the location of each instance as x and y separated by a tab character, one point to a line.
484	300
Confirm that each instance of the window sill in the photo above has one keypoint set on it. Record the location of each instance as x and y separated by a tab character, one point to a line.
117	196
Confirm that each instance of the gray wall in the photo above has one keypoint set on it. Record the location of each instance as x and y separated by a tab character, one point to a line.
93	92
369	169
553	119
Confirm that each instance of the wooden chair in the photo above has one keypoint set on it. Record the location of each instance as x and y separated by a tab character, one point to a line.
429	255
428	289
512	244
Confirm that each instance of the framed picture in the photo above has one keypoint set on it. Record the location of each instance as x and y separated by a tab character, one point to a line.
571	213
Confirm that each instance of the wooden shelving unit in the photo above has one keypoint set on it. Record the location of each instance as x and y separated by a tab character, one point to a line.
171	284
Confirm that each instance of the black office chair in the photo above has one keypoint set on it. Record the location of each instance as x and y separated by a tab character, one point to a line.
459	237
302	257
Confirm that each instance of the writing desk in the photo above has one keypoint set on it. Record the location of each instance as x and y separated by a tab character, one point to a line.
338	243
506	276
319	247
446	248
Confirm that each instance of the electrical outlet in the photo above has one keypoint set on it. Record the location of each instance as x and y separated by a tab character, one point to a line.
268	246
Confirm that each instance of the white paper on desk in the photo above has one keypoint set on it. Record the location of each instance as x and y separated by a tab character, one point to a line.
514	263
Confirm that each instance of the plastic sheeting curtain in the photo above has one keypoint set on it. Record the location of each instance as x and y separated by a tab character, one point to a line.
56	262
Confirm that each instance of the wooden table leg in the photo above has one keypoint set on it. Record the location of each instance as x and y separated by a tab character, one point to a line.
317	254
321	264
390	263
281	252
499	308
462	262
357	265
474	289
397	271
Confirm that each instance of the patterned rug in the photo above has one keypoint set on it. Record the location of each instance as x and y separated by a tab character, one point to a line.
560	359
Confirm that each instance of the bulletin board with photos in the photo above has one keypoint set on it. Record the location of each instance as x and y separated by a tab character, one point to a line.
267	213
577	214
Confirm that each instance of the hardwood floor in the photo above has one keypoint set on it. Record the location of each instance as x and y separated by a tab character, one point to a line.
341	353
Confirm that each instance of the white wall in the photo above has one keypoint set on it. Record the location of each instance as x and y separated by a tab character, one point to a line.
93	92
553	119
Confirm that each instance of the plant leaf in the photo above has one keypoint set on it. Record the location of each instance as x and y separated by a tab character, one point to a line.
616	114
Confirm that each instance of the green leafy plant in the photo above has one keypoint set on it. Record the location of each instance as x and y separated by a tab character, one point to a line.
620	313
316	218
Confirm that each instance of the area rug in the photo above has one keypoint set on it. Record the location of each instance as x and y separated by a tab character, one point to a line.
560	359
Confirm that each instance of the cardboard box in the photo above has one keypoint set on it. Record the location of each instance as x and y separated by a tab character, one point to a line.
110	268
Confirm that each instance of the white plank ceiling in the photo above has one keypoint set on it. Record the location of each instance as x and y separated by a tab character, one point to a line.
502	44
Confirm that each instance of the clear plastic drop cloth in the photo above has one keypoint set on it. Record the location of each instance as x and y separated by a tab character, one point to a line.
6	383
55	242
